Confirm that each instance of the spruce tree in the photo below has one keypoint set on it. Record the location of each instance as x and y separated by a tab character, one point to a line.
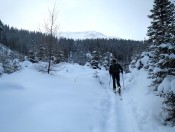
41	54
162	17
160	35
95	60
1	25
173	25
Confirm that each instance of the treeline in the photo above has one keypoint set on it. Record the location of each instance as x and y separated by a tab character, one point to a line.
35	46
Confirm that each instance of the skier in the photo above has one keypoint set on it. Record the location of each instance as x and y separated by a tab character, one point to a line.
114	71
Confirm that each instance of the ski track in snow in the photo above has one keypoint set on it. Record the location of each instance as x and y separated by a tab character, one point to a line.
120	118
127	115
80	100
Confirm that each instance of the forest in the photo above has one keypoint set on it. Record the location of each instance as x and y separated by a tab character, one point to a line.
149	65
98	52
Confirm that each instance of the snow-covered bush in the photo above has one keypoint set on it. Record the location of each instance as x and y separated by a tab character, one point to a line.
141	62
43	67
9	60
167	85
32	56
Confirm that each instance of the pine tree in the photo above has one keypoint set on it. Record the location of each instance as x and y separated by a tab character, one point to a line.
162	17
160	35
1	25
42	54
59	57
162	52
95	60
173	25
107	59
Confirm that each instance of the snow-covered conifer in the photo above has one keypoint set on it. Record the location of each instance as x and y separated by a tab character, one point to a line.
95	60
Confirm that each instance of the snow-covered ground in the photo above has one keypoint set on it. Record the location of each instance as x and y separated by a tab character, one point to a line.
77	99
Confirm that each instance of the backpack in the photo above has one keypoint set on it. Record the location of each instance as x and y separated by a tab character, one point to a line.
115	68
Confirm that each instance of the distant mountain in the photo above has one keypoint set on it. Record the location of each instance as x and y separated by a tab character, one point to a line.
83	35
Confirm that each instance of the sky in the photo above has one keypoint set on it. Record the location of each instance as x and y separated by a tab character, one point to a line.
121	18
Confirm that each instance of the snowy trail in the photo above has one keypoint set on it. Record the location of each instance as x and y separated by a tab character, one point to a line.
122	118
118	121
125	116
32	101
76	99
120	115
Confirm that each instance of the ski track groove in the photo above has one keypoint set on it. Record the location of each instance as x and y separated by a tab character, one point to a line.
111	116
112	122
119	115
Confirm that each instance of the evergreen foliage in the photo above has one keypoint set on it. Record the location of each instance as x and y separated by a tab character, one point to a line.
168	113
95	61
74	51
161	38
1	25
32	57
9	61
162	52
162	17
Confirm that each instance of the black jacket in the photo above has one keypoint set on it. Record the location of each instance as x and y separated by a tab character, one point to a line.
115	69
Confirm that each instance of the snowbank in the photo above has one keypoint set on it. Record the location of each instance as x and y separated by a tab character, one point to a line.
143	106
71	100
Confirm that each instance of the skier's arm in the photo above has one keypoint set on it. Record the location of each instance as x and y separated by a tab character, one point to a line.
110	70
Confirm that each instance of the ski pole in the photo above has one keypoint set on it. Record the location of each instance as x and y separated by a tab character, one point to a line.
123	82
110	81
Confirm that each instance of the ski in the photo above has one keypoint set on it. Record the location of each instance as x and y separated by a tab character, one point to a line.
119	93
120	96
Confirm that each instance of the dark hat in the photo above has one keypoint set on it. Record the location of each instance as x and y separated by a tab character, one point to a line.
114	60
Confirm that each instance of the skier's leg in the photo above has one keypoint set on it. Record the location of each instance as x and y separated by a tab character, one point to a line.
118	83
114	81
118	80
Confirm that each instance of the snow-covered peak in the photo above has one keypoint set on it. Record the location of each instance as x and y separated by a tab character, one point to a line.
83	35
